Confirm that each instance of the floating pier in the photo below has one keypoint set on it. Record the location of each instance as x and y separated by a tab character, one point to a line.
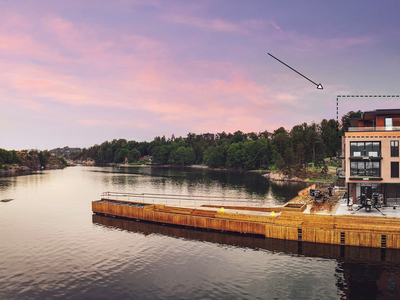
294	221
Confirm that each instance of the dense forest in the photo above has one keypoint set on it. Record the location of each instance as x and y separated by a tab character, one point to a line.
290	151
33	160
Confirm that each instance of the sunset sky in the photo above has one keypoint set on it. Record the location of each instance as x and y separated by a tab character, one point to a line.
79	72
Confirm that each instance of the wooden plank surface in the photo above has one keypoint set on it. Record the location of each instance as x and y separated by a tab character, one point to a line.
359	231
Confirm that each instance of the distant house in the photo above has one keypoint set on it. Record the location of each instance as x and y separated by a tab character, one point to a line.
147	157
208	136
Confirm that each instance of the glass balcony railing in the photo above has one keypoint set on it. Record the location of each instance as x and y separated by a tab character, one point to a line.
365	173
365	153
377	128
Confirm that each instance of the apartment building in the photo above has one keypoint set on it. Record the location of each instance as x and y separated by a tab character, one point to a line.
370	153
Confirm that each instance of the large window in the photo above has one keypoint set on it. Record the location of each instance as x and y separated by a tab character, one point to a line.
365	168
394	148
375	188
393	194
372	149
394	169
389	123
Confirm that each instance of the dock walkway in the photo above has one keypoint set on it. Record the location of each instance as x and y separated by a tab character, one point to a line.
330	222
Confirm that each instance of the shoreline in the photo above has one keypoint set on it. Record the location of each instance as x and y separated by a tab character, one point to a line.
269	174
20	170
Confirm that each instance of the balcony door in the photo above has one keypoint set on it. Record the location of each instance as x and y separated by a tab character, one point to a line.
388	123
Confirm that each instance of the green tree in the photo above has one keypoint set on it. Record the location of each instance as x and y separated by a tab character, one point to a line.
190	156
234	156
44	157
346	120
9	157
238	136
281	142
301	162
214	157
253	136
161	154
264	147
330	136
250	155
134	155
289	160
120	155
280	164
178	156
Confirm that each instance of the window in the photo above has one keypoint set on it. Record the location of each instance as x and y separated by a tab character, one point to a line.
361	168
372	149
393	194
394	148
375	188
394	168
389	123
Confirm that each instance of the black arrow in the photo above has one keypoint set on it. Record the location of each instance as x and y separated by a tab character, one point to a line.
319	86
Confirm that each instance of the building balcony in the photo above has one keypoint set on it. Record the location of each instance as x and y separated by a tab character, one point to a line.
369	155
376	128
340	173
340	154
365	178
365	174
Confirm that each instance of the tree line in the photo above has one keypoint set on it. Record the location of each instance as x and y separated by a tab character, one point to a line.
32	159
9	157
290	151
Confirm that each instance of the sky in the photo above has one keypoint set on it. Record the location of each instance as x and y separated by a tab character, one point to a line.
77	73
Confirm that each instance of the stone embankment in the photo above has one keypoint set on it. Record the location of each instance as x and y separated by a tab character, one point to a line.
276	176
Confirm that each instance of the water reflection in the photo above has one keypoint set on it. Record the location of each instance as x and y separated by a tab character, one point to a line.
193	181
361	273
51	246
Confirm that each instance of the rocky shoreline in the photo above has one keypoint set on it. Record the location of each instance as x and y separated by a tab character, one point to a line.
276	176
30	162
15	169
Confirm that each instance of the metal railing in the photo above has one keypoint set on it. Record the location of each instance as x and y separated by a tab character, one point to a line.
340	153
377	128
185	200
365	153
322	185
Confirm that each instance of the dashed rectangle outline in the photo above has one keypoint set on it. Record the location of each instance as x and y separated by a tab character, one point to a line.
359	96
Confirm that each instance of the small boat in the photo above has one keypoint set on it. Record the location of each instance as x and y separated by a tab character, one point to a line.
6	200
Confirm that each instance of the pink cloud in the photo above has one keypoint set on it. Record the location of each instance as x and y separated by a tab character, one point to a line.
213	24
114	123
106	68
95	122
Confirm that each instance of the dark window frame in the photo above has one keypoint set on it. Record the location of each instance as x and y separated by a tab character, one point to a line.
394	169
365	168
373	146
394	148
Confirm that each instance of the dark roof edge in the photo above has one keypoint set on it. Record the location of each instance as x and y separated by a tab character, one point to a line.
383	111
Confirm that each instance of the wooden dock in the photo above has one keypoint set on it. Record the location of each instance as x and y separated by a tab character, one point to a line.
339	252
350	230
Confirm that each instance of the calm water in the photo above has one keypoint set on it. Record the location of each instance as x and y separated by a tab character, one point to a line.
52	246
